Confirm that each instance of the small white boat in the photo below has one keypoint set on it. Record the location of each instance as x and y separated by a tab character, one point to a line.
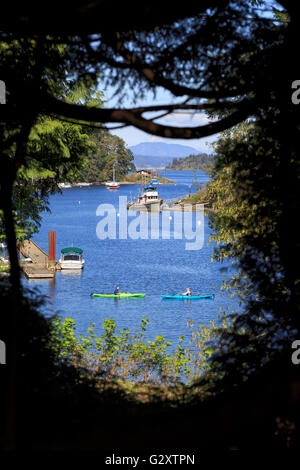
71	258
112	184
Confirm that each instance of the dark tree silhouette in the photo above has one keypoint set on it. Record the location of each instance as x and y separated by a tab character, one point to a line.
223	57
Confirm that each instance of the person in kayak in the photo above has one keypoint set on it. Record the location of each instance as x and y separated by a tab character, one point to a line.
116	291
187	292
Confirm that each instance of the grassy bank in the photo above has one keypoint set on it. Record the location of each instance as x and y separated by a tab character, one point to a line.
200	197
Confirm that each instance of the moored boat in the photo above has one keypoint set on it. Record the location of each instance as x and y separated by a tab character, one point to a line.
112	184
71	258
148	201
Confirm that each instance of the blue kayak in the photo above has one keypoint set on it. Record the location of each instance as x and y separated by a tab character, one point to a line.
187	297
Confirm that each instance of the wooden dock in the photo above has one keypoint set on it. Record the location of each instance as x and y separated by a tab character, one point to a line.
38	269
35	271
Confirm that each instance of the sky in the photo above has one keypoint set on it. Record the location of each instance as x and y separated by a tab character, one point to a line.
133	136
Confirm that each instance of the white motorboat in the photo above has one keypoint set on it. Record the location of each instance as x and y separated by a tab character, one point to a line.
71	258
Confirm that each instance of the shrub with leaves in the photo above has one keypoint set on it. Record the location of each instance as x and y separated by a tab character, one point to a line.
127	356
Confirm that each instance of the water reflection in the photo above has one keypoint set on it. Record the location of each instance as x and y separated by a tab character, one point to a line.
51	287
72	272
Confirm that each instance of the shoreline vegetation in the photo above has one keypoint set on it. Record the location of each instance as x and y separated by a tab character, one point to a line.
128	179
129	357
202	196
138	179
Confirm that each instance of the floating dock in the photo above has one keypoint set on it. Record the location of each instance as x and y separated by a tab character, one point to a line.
39	268
34	271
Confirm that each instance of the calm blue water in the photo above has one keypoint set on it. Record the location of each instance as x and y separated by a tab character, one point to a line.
154	266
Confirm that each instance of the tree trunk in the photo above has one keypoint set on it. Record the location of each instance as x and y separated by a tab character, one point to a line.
10	321
9	224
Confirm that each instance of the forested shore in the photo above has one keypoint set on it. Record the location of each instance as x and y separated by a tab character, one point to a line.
201	161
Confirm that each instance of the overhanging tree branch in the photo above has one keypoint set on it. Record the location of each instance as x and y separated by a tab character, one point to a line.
154	77
134	117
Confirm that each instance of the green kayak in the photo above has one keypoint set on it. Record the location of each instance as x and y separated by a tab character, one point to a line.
119	296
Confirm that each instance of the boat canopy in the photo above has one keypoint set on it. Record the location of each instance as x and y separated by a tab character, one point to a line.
72	249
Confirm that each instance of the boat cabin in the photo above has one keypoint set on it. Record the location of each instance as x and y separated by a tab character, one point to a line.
150	194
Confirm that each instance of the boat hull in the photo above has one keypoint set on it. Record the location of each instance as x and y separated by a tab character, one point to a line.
187	297
119	296
148	207
112	185
74	265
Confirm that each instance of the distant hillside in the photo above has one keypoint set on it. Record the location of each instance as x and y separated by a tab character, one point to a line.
160	149
158	154
150	161
201	161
